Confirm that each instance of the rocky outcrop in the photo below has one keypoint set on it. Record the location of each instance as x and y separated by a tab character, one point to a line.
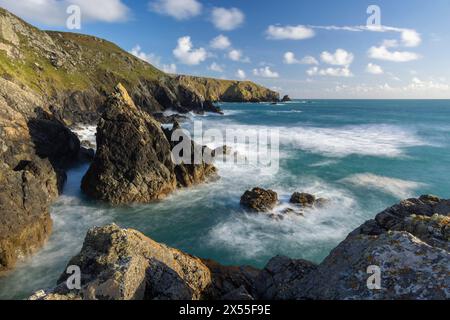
123	264
76	72
259	200
120	264
286	98
25	195
133	163
228	91
35	148
307	200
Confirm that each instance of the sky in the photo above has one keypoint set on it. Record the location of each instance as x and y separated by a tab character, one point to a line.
317	49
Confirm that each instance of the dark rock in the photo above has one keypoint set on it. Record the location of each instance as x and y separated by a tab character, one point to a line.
259	200
160	117
303	199
133	162
286	99
280	278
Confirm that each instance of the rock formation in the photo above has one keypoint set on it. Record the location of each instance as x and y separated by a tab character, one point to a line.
76	72
408	243
133	163
286	98
259	200
35	148
307	200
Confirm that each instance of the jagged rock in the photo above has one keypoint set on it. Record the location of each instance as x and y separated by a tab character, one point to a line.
426	218
259	199
159	116
133	163
410	269
123	264
231	282
280	277
25	195
191	173
286	98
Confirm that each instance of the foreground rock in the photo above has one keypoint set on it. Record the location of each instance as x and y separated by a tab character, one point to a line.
35	149
133	163
123	264
259	200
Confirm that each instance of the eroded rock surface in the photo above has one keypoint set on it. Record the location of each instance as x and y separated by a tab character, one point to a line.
259	200
133	163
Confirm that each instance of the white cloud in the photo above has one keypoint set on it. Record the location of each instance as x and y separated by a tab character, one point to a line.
227	19
265	72
216	67
289	58
220	42
241	74
340	58
383	53
178	9
409	37
153	59
332	72
53	12
374	69
235	55
289	32
186	54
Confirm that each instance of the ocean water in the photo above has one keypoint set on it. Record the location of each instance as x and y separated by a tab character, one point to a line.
363	156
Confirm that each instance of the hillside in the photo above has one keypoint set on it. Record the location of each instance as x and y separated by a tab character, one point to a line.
76	72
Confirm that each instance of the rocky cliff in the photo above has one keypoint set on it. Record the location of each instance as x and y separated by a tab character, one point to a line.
75	73
133	163
49	81
408	244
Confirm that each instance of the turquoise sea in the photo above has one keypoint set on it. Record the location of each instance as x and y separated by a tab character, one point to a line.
362	155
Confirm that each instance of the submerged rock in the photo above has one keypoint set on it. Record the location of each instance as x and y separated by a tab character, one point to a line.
307	200
259	200
133	163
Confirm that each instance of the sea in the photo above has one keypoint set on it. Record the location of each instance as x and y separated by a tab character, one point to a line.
361	155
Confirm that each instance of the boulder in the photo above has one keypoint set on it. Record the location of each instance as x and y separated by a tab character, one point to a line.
133	163
303	199
286	98
123	264
259	200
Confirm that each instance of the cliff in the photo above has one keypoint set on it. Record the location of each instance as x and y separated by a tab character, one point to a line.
75	73
49	81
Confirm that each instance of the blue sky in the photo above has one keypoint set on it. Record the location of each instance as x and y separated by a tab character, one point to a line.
308	49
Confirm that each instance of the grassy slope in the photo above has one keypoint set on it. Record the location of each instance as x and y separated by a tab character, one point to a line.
88	62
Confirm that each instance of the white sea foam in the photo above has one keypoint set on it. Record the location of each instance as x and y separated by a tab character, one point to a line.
251	236
86	133
367	140
396	187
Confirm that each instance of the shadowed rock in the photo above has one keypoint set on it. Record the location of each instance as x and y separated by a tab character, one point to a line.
133	163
